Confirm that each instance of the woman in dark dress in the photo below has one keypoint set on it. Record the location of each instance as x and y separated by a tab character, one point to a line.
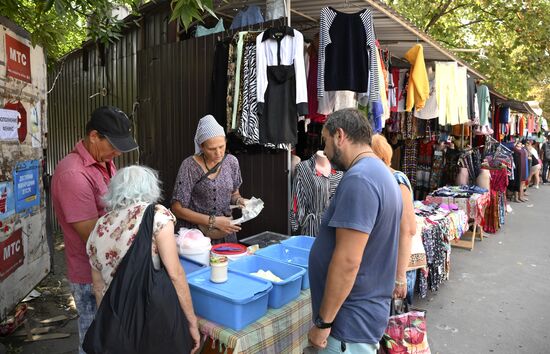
208	184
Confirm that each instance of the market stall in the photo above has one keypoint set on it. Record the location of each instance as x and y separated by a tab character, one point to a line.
439	227
281	330
473	205
250	303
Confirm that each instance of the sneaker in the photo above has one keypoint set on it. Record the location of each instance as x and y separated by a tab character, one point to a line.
536	187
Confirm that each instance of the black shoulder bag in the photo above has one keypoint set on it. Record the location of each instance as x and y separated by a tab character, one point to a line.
140	312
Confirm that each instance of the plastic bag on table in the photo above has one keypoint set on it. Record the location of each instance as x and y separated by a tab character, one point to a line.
191	239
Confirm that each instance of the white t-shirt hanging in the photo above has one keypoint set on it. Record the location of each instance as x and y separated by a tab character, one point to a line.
430	110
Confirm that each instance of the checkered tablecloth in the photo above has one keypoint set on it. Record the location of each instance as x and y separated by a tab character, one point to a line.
473	206
281	330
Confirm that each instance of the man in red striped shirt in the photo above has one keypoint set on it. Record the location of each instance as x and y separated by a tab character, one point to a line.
78	184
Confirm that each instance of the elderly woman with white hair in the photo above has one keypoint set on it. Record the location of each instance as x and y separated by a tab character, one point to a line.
208	184
142	294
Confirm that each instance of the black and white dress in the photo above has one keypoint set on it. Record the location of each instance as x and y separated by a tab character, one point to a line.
311	194
281	84
347	54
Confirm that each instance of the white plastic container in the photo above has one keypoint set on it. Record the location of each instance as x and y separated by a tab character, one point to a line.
232	251
218	273
201	256
193	245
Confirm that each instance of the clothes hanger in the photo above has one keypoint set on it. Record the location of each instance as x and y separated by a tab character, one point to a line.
349	4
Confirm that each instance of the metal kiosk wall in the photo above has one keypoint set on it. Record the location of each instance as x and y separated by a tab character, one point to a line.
24	251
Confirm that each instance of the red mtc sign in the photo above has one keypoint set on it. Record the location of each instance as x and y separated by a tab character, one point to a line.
18	56
11	254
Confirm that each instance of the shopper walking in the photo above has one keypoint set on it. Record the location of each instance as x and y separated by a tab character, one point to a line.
353	260
78	183
535	164
404	281
545	150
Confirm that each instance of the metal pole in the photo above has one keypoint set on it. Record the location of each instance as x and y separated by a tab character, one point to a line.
462	138
288	152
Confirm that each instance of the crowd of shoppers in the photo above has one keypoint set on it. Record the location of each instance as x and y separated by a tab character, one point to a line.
116	233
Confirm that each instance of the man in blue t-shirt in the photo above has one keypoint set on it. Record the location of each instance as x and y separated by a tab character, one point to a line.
353	260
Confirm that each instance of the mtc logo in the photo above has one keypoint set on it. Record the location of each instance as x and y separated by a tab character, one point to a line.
12	249
18	57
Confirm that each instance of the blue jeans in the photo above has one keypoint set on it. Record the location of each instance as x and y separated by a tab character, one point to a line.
84	299
411	280
335	346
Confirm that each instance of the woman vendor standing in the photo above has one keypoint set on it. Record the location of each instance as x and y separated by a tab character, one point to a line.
208	184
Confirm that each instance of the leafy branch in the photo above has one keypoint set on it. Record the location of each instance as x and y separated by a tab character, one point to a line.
188	11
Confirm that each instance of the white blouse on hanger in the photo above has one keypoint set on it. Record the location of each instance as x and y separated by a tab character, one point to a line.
291	52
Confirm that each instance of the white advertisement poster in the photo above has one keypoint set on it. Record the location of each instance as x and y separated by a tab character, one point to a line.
36	133
9	121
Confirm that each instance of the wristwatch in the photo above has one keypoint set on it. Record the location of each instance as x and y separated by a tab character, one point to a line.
319	323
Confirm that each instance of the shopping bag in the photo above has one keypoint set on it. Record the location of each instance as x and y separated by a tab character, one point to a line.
140	312
406	332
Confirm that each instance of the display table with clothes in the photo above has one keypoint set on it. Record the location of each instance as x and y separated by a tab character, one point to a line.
473	205
472	200
496	209
440	226
282	330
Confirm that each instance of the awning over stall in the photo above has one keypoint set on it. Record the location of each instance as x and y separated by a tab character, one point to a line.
518	106
535	106
392	30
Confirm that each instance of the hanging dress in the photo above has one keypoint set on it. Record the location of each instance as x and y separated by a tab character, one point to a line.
281	84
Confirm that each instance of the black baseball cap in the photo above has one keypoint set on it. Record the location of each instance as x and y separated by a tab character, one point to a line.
114	124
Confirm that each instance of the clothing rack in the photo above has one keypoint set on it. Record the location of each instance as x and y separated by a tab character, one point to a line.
259	27
490	141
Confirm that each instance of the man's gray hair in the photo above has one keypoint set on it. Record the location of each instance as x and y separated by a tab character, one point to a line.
130	185
354	123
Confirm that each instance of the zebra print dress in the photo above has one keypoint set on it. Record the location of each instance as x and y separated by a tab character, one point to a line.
248	124
248	128
311	194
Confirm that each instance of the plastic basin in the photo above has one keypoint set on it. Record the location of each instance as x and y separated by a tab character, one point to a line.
283	292
190	266
289	255
264	239
304	242
236	303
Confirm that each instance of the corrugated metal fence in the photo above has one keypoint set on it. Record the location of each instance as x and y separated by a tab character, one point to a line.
166	85
174	83
78	92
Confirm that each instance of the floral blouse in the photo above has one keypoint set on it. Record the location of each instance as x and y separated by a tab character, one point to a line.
115	232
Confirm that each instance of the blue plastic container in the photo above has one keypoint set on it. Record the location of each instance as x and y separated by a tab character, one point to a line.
283	292
304	242
238	302
190	266
289	255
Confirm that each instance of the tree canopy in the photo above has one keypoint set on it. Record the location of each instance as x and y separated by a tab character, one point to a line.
514	36
62	25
